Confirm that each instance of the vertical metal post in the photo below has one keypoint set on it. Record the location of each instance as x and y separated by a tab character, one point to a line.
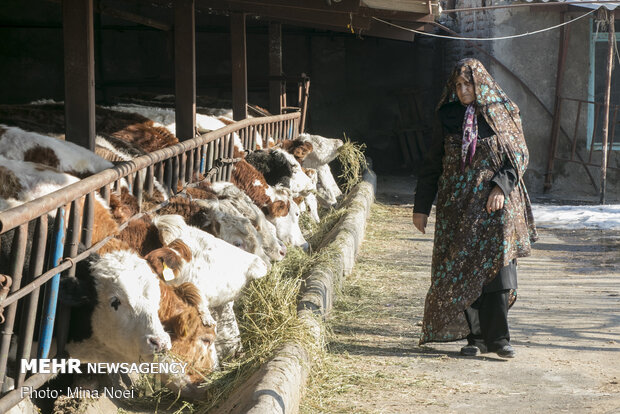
239	66
275	68
610	64
78	33
26	331
71	250
185	69
51	294
19	254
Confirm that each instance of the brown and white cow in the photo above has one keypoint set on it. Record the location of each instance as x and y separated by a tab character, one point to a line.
276	203
20	145
218	269
218	219
192	341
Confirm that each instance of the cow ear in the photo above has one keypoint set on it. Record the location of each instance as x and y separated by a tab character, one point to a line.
182	249
189	293
279	208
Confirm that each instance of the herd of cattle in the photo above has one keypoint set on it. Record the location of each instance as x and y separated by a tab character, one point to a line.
165	284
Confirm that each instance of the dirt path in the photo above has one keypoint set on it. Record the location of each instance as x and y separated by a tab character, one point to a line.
565	328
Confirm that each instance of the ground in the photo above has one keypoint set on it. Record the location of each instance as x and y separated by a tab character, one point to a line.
565	327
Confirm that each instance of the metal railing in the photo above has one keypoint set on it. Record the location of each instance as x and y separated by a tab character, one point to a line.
587	128
183	163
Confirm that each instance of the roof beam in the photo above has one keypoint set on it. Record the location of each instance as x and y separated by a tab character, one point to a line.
423	15
343	6
318	17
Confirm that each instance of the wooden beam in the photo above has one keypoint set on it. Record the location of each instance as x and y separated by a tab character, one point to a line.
422	15
375	30
342	6
127	16
239	66
275	67
185	69
79	59
378	29
291	14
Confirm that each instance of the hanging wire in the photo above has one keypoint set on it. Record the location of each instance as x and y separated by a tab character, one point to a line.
484	38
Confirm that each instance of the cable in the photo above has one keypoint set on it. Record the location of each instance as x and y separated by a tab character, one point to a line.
510	6
483	38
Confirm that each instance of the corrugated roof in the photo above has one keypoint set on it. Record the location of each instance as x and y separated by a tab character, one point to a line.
576	3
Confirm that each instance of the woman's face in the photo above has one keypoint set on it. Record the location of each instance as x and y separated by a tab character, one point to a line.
465	90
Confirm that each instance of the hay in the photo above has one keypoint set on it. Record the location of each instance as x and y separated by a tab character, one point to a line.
353	162
267	318
328	222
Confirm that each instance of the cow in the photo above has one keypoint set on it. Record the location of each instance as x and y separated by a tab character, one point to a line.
325	150
49	118
220	220
217	268
298	148
192	341
280	167
25	181
275	202
229	194
20	145
115	300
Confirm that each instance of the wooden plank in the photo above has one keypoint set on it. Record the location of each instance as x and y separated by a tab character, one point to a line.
378	29
185	69
281	12
239	66
79	59
275	67
342	6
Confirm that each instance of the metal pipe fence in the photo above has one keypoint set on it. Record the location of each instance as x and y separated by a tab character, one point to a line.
69	212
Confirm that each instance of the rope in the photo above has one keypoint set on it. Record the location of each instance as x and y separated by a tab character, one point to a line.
483	38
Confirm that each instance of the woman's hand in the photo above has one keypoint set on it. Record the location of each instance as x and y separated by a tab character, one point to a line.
496	200
419	221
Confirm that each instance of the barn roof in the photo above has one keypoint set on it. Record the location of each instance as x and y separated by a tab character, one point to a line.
351	16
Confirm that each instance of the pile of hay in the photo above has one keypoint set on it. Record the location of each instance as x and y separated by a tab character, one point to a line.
353	163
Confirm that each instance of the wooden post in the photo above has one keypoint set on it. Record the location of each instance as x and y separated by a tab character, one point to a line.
610	61
79	58
555	127
275	68
239	66
185	69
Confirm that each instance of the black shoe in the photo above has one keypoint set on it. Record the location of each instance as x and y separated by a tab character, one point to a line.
470	350
506	351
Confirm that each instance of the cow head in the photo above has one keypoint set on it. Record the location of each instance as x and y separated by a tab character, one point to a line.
287	227
300	183
231	226
192	341
324	150
124	321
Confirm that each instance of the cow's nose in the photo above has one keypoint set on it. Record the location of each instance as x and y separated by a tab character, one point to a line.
158	344
282	250
305	247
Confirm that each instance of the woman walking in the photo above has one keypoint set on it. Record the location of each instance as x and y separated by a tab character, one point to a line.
484	220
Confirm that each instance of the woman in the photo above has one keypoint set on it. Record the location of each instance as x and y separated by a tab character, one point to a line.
484	219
